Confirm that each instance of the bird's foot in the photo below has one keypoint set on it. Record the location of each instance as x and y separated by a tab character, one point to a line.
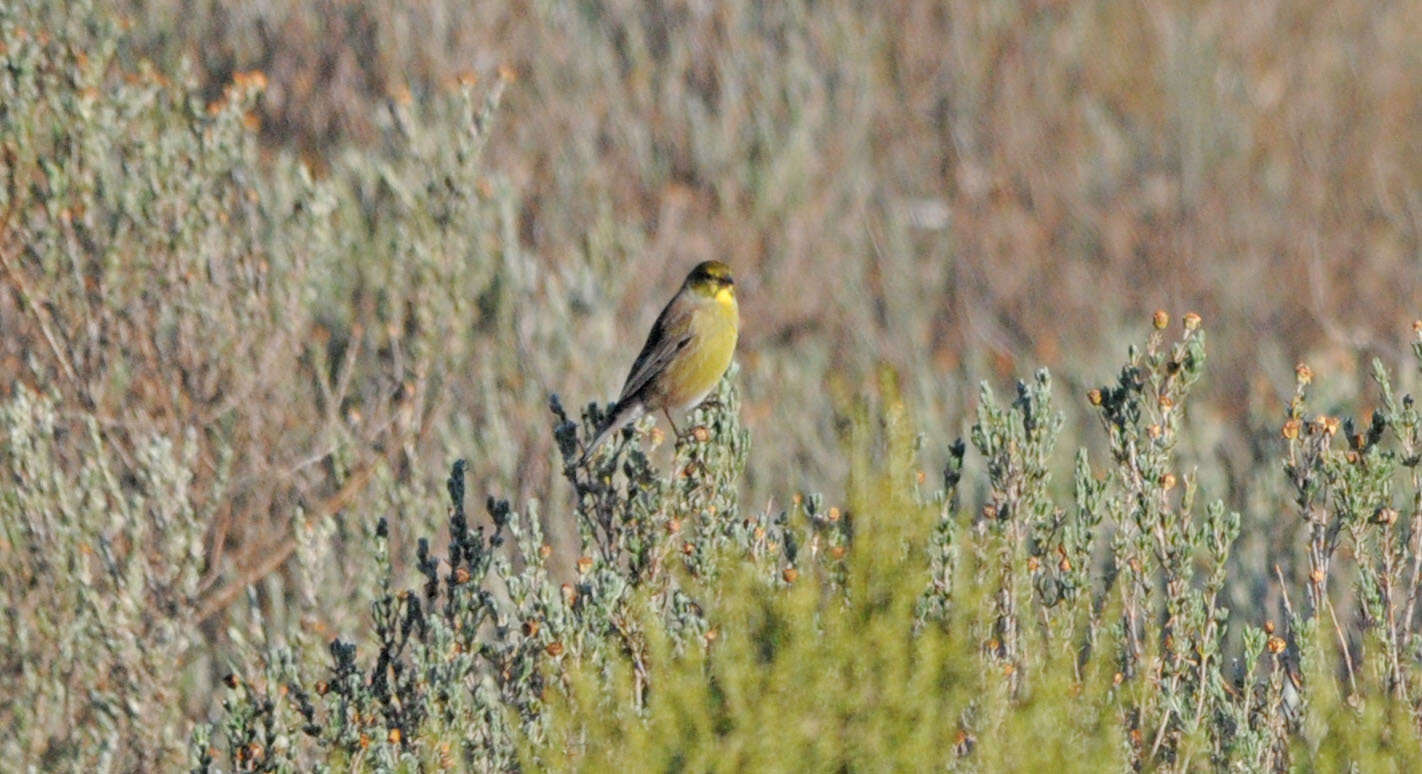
711	403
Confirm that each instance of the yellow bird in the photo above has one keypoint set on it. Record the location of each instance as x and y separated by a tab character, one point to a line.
686	353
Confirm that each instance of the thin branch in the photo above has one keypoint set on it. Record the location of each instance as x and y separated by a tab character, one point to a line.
278	554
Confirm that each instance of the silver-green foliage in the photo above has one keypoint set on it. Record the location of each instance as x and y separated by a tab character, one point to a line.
93	571
902	631
463	665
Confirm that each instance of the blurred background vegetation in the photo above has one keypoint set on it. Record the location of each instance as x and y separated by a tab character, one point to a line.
275	264
962	191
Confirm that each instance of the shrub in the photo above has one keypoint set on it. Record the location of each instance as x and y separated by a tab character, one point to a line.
901	631
213	358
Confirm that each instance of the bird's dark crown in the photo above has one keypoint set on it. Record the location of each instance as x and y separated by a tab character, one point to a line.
711	273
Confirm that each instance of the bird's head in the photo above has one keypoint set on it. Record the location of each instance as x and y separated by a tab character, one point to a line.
712	279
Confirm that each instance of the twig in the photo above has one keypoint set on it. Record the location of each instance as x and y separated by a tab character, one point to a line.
1343	643
1284	590
278	554
42	319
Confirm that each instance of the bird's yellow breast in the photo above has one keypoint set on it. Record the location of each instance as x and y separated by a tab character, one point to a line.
696	370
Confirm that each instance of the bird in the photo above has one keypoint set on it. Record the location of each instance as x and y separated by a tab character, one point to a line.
688	349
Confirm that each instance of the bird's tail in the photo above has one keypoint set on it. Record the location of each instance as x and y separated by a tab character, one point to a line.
620	416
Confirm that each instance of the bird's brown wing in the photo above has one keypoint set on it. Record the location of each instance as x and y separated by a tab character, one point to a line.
670	334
